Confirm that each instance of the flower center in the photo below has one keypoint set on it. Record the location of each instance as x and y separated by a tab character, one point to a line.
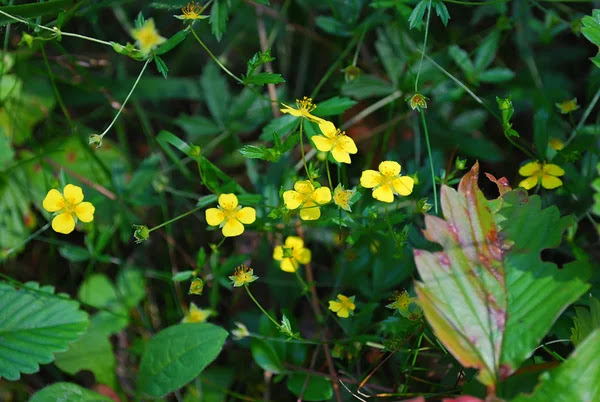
192	10
231	213
305	104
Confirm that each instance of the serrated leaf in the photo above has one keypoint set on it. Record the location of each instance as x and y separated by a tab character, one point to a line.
35	324
176	355
461	58
417	14
219	14
333	106
488	296
263	79
441	11
161	66
66	391
574	380
495	75
366	86
585	321
486	51
280	125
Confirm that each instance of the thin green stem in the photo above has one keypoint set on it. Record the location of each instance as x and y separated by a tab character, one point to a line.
27	240
424	47
59	99
216	60
175	219
328	172
302	150
333	67
261	307
358	45
584	117
435	201
126	99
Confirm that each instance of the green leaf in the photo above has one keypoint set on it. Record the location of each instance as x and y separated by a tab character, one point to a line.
574	380
333	26
280	125
591	27
461	58
258	60
35	324
441	11
33	10
182	276
197	126
366	86
219	14
488	295
316	389
333	106
98	291
495	75
540	132
131	287
417	14
176	355
486	51
215	87
161	66
585	321
66	391
172	42
263	78
265	356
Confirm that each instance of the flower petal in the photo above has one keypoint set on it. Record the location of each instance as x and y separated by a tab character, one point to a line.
303	256
343	313
529	182
294	242
291	110
288	265
304	187
370	179
551	182
327	128
73	194
384	193
85	211
228	201
322	143
54	201
389	168
292	199
335	306
529	169
322	195
63	223
340	155
403	185
278	253
246	215
233	227
348	144
553	170
310	212
214	216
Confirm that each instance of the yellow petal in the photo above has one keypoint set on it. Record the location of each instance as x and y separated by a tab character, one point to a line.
310	212
54	201
551	182
294	242
304	187
288	265
370	178
292	199
73	194
246	215
553	170
214	216
278	253
384	193
63	223
311	117
348	144
85	211
389	168
342	298
228	201
303	255
529	169
340	155
322	143
233	227
335	306
322	195
343	313
529	182
291	110
327	128
403	185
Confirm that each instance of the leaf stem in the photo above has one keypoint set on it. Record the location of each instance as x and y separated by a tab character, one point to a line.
175	219
584	117
27	240
424	46
328	172
302	150
435	201
261	307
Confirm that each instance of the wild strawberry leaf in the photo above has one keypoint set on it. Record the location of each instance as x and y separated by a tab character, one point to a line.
488	295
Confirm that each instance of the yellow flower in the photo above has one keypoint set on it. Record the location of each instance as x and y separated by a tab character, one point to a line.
240	332
230	216
308	198
197	314
335	141
192	11
68	207
292	254
242	275
405	305
303	109
556	144
546	172
387	181
147	36
342	197
567	106
344	306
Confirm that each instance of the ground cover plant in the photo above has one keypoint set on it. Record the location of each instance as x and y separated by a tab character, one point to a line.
299	200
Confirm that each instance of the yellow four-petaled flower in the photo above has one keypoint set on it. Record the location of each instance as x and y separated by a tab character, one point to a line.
147	37
342	197
343	306
68	208
545	172
230	216
292	254
307	198
387	181
242	275
303	108
335	141
192	11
